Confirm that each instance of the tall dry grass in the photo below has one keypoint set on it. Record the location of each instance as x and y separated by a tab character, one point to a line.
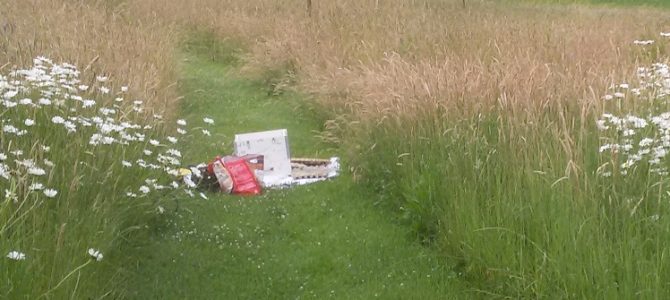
100	37
380	57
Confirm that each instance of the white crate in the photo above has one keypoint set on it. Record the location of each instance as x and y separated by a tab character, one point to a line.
273	145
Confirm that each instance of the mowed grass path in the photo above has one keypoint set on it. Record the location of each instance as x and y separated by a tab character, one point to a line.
322	240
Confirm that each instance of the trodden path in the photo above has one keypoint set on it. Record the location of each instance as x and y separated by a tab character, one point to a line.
318	241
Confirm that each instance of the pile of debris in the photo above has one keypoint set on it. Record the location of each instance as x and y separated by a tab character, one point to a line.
261	160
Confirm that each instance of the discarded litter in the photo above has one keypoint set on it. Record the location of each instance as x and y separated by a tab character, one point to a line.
261	160
273	146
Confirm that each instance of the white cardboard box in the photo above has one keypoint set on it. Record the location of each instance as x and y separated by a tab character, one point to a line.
273	145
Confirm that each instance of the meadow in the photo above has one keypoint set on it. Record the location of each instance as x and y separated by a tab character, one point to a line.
523	142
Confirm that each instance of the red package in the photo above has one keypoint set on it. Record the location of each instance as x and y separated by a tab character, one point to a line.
244	181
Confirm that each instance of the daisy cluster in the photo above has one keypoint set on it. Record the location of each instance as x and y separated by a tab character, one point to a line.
643	136
52	109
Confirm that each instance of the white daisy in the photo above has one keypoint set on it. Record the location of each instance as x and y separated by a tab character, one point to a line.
16	255
95	254
37	171
50	193
36	186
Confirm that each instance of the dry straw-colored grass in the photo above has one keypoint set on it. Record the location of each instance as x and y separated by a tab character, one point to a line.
385	57
373	57
97	36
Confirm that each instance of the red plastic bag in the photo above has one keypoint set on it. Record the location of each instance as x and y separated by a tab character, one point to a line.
244	180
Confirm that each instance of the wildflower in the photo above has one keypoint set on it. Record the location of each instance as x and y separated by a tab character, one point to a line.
17	152
619	95
181	122
71	127
57	120
154	142
160	209
132	195
174	184
83	87
44	101
208	121
28	163
601	125
46	148
629	163
646	142
606	147
37	171
624	85
608	97
174	152
11	196
628	132
147	152
158	117
665	34
29	122
36	186
141	163
87	103
637	122
124	89
50	193
25	101
10	94
95	254
107	111
145	189
16	255
3	156
4	171
101	78
126	164
104	90
181	131
172	139
206	132
10	129
108	140
8	104
643	43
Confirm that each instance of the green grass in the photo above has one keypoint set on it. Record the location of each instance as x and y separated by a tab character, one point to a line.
328	239
524	218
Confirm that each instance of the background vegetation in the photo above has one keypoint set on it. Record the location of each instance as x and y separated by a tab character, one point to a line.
476	126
